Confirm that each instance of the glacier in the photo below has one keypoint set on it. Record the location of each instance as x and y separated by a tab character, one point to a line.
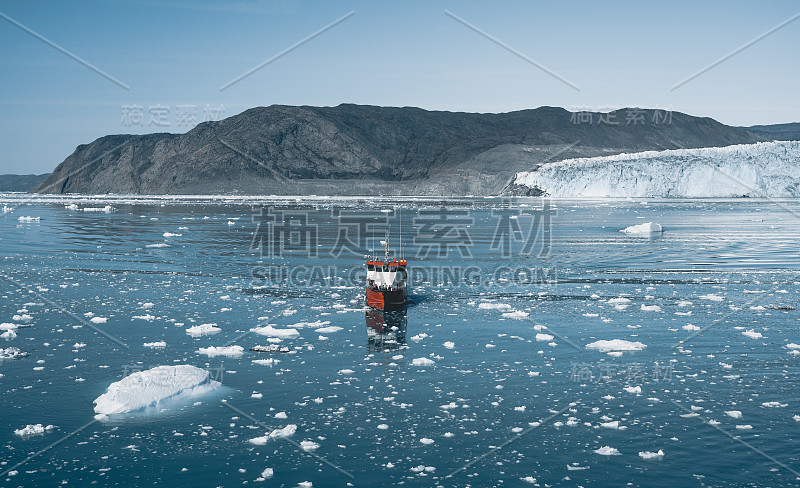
146	388
764	169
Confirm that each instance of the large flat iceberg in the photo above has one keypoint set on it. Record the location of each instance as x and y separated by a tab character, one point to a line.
145	388
765	169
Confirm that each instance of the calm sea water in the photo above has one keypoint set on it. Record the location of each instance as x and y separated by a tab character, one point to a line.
486	380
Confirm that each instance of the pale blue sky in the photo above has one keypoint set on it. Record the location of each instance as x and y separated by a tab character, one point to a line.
180	52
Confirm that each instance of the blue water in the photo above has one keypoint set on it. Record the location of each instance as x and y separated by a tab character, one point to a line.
497	407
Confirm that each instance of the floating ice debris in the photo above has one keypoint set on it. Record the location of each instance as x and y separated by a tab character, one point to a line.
171	234
744	427
752	334
612	425
271	348
98	320
268	473
203	330
227	351
690	328
106	209
383	426
616	345
266	362
309	446
544	337
650	308
734	413
270	331
493	306
318	323
281	415
33	429
774	404
646	228
516	314
287	431
144	388
346	371
147	317
160	244
12	353
619	300
633	389
529	479
607	451
155	345
419	337
7	209
422	362
651	455
449	345
29	219
257	395
712	297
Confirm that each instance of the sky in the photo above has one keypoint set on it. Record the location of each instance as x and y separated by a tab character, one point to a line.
75	71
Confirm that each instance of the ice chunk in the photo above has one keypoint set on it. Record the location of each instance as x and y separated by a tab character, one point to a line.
616	345
29	219
145	388
271	331
752	334
449	345
607	451
651	455
309	446
734	413
203	330
650	308
98	320
544	337
32	429
493	306
426	441
516	314
422	362
227	351
633	389
329	330
155	345
12	353
711	297
646	228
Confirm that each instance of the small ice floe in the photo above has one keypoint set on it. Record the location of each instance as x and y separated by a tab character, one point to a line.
287	431
147	317
329	330
271	331
227	351
650	308
171	234
616	345
543	337
106	209
650	455
516	314
634	390
774	405
607	451
734	413
309	446
796	418
752	334
155	345
744	427
29	219
690	328
271	348
494	306
203	330
160	244
529	479
419	337
266	362
426	441
619	300
643	229
33	429
7	209
281	415
614	424
98	320
422	362
712	297
145	388
346	371
449	345
12	353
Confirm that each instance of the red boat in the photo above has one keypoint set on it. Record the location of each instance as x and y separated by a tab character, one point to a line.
387	282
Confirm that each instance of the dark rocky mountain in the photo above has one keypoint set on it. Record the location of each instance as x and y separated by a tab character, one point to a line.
20	182
356	149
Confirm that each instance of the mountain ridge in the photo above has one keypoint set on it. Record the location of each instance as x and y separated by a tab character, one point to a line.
364	149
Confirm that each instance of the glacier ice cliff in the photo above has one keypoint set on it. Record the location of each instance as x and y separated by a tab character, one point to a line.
764	169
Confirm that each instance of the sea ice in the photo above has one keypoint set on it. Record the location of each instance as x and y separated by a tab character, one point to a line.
144	388
616	345
752	334
422	362
227	351
607	451
516	314
203	330
155	345
734	413
643	229
32	429
271	331
651	455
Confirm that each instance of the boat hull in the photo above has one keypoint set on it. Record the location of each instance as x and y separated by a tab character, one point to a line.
386	299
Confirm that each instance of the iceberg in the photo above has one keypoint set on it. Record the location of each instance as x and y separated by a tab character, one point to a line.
271	331
616	345
203	330
33	429
643	229
227	351
764	169
145	388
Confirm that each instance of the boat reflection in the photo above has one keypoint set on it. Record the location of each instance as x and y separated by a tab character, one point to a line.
385	330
